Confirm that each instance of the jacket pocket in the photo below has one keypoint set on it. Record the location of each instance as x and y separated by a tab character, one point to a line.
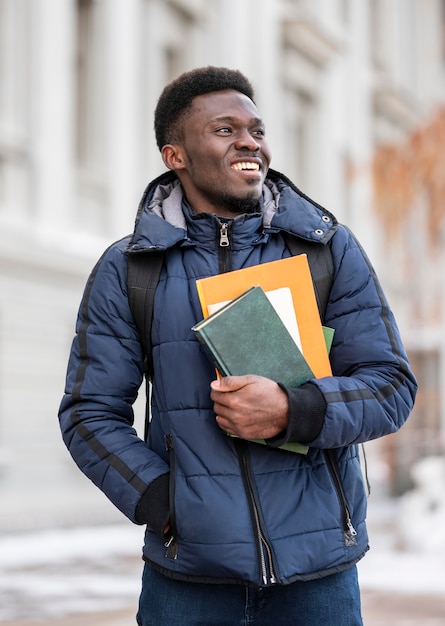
349	532
172	540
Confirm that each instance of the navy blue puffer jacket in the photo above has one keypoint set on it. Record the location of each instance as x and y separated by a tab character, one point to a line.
239	511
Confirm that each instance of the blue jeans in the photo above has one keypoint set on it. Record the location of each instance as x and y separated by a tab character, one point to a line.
330	601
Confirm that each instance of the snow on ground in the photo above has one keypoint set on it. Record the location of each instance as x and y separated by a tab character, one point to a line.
91	568
59	571
389	568
407	536
87	569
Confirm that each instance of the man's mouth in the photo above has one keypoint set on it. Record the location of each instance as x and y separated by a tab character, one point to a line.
245	166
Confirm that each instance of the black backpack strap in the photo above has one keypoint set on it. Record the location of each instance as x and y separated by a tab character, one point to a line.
319	257
143	273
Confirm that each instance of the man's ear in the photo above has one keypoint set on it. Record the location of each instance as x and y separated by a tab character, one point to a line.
173	156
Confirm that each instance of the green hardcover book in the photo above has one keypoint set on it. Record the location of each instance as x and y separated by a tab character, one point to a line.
247	336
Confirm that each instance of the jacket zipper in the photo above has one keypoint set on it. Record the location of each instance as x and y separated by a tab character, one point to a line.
172	543
349	531
224	260
264	549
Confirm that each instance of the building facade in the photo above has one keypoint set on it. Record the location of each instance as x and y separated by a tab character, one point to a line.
342	84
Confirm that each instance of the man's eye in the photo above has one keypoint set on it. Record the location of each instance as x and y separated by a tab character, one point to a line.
225	130
260	132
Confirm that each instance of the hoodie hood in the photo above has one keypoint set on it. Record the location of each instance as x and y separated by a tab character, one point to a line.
161	223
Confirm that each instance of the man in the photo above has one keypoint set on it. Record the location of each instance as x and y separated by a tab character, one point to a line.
237	533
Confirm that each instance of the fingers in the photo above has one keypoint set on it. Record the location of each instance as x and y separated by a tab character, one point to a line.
231	383
225	425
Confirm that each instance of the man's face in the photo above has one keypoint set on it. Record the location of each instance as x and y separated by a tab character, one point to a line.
223	157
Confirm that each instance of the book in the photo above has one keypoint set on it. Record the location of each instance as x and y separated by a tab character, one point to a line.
293	274
247	336
281	300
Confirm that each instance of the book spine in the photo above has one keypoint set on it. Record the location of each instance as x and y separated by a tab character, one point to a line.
202	299
218	363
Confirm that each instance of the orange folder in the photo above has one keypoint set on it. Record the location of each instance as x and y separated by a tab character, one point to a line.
294	273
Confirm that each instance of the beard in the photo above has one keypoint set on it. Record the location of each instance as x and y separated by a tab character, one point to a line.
248	204
225	199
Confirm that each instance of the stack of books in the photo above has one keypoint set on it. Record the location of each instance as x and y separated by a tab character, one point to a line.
264	320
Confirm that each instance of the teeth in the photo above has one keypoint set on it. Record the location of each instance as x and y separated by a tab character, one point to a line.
246	166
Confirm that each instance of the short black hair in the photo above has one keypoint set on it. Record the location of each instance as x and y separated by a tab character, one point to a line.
177	96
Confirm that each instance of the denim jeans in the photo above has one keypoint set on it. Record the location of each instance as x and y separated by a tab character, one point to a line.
330	601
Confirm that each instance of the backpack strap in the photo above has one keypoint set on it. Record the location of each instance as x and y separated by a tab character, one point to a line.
319	257
143	273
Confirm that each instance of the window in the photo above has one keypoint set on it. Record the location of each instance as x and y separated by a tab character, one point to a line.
421	435
443	31
378	39
91	95
407	48
304	139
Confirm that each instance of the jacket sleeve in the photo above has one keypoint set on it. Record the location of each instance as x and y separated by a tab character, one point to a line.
372	390
105	371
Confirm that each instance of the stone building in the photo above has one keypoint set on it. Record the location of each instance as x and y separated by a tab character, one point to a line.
336	81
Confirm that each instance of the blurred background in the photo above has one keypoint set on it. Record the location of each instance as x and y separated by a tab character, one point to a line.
353	95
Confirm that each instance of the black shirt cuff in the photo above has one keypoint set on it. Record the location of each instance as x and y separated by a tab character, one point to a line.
307	408
153	507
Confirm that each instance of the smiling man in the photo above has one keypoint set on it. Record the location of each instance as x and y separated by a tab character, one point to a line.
237	533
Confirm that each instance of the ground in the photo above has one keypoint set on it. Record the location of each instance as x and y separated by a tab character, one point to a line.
90	576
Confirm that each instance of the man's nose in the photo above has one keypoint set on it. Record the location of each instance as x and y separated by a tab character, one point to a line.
245	141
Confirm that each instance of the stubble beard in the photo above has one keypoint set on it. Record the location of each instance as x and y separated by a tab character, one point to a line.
248	204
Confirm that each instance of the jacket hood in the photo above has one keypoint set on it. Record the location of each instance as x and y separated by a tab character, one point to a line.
160	221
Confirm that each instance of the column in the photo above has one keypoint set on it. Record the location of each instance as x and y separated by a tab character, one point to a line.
124	130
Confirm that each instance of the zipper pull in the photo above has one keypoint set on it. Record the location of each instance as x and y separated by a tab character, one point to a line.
224	235
169	443
350	534
172	548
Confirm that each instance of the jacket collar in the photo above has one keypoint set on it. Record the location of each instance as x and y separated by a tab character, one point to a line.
161	220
